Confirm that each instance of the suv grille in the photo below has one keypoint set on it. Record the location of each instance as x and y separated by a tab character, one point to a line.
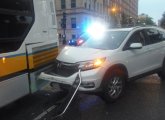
64	69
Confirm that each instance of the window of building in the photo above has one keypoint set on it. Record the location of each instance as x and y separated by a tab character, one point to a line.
63	4
89	6
63	23
73	36
98	7
73	22
16	19
85	5
73	3
92	6
101	9
59	35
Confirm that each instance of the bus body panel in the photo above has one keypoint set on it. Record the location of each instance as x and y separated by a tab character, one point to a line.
40	58
13	88
44	27
30	48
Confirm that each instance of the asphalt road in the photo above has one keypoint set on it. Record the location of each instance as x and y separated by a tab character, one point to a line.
144	99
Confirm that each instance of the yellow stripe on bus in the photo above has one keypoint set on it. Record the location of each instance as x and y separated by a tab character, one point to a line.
12	65
41	58
15	64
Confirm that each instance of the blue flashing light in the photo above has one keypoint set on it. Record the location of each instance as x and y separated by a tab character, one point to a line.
96	30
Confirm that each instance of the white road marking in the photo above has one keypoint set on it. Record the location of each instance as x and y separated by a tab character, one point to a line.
44	113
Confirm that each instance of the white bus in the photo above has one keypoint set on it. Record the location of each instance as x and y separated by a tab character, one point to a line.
28	46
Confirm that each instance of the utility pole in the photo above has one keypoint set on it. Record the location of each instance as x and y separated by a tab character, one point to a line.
63	25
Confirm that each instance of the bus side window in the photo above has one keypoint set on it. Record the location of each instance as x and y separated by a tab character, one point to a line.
16	19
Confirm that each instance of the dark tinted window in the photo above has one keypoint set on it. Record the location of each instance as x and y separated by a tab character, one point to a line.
17	5
153	35
15	21
137	37
147	39
12	26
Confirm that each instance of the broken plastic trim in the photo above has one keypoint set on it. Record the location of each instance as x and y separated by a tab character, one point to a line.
72	92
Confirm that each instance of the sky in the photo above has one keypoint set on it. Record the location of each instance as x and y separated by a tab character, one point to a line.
153	8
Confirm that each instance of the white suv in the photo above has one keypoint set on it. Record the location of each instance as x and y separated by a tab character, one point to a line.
109	61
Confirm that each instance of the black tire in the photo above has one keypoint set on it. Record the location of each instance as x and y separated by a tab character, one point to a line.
162	72
114	85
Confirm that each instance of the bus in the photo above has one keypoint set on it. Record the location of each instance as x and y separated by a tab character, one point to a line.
28	46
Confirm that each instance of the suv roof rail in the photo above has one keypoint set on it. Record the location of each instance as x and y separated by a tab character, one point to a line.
137	27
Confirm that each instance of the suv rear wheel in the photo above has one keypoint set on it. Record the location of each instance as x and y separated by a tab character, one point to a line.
114	85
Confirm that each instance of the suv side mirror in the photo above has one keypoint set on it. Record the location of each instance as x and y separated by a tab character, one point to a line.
136	46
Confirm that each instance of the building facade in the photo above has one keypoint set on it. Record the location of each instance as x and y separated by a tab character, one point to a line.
124	12
78	14
73	16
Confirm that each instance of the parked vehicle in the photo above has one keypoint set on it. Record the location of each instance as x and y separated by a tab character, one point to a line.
79	41
72	42
108	61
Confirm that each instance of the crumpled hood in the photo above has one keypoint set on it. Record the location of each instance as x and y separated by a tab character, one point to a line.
78	54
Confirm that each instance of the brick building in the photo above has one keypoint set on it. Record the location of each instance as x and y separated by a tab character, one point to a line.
78	14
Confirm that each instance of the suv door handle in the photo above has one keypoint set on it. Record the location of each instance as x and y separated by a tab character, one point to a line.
44	31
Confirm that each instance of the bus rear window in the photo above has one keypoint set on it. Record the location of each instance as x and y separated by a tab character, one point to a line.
16	19
17	5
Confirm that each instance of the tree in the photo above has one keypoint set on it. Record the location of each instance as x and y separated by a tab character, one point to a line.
124	20
149	21
162	21
144	19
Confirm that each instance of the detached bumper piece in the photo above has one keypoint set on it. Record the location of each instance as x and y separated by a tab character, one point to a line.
63	104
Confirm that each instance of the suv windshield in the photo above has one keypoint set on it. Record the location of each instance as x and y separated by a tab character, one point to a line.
111	40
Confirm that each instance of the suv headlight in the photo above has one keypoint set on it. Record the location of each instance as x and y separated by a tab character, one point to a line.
92	64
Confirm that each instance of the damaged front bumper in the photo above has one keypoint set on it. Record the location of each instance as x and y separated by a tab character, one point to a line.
75	84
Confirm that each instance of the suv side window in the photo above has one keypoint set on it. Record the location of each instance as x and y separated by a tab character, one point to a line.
136	37
153	35
162	35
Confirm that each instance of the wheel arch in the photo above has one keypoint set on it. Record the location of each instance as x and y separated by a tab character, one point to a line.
116	66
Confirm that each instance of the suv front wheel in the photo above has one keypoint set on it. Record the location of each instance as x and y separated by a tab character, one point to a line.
114	85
